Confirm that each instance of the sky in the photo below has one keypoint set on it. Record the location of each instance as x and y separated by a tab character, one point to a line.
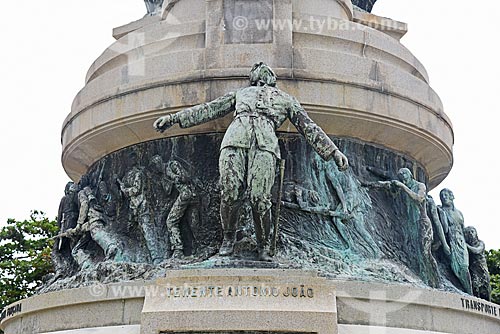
48	46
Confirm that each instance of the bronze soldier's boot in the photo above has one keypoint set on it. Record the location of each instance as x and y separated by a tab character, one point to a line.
264	255
229	226
175	240
262	227
178	254
111	252
227	247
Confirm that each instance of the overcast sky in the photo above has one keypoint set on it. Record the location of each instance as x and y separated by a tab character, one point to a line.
47	47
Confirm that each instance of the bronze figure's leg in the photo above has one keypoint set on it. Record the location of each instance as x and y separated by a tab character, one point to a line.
261	175
173	226
79	253
106	241
428	264
151	236
193	214
232	169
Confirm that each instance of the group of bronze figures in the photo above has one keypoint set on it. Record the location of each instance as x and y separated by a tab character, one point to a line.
164	204
441	227
85	213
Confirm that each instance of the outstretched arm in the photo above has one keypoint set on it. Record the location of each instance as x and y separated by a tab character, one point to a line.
315	136
199	114
418	196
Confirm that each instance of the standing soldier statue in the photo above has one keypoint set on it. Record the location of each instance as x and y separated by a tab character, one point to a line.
133	187
187	202
176	180
250	149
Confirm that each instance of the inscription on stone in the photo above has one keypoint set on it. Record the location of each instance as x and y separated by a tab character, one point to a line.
248	21
239	291
11	311
485	308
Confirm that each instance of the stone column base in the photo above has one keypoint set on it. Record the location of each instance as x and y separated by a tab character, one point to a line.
246	301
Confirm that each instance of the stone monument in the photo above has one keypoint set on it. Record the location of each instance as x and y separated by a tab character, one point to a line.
286	193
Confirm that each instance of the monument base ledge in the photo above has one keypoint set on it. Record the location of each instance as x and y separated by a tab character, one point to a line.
250	300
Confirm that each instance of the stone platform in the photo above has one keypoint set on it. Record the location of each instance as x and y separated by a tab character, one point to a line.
250	301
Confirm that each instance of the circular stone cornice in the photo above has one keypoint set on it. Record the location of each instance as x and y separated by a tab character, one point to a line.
357	82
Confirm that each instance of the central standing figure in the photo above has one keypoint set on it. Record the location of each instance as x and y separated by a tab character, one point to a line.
249	150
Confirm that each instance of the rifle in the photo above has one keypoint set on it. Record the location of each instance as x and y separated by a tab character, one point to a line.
63	221
278	208
377	184
101	173
70	232
320	211
66	234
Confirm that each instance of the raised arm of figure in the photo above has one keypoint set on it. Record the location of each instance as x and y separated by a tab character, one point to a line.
199	114
418	196
315	136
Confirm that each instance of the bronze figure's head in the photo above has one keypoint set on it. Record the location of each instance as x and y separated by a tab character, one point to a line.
261	75
447	197
405	176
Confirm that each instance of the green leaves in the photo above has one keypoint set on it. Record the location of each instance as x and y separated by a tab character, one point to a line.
493	259
495	289
25	248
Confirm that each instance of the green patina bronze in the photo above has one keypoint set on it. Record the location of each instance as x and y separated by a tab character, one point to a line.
92	222
459	255
132	187
477	264
250	149
420	233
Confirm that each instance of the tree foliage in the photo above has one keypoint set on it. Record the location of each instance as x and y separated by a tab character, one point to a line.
493	258
25	248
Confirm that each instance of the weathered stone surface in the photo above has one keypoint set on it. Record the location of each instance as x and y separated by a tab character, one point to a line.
133	329
244	21
234	301
366	306
393	28
124	30
354	81
360	306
